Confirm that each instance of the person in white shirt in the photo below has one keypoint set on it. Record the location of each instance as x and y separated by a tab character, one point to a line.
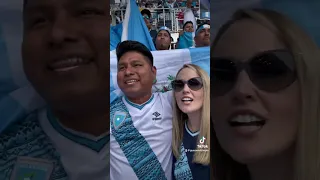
65	62
140	121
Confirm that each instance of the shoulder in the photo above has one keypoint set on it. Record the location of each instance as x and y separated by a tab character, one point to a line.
116	105
166	96
25	138
116	102
21	127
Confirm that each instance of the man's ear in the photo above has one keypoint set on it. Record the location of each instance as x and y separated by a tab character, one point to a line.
195	40
154	70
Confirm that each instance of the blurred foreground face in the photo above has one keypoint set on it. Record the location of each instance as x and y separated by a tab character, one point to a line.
64	49
255	114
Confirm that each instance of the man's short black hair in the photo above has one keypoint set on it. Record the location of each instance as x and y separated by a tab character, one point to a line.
147	12
186	24
127	46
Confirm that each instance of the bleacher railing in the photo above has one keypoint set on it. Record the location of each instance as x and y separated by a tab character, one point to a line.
168	17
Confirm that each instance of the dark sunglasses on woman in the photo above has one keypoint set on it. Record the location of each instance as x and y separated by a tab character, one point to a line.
270	71
193	83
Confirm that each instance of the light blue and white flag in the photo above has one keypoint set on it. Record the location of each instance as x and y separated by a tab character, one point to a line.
115	36
167	63
186	40
133	27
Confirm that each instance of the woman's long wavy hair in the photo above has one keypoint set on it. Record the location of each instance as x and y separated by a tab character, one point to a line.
179	119
306	57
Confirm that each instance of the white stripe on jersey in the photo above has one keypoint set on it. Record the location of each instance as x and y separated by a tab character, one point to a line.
154	122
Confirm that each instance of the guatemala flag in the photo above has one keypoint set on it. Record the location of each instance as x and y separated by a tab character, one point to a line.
167	62
133	27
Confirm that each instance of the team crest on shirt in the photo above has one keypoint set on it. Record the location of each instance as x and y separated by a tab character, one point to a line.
28	168
118	119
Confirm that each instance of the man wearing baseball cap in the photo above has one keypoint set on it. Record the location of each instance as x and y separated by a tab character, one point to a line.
140	147
202	35
163	39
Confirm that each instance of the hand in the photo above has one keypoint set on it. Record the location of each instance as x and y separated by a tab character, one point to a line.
181	32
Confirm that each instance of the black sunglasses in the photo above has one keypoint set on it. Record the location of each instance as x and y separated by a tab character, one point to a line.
193	83
270	71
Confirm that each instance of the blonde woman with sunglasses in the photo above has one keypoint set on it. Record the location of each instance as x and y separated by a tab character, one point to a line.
265	99
191	124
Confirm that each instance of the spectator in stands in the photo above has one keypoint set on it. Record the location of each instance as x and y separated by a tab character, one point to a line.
147	19
171	4
163	39
185	39
188	26
202	36
65	62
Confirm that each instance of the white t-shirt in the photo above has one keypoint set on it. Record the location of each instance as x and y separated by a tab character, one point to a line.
79	159
154	123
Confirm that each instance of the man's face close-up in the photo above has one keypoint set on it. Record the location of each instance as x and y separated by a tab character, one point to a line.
203	38
188	27
65	49
163	40
135	74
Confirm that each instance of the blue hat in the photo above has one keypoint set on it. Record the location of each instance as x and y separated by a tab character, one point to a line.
164	28
204	26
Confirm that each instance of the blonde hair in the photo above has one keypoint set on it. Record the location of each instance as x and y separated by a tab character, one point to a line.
179	119
306	54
